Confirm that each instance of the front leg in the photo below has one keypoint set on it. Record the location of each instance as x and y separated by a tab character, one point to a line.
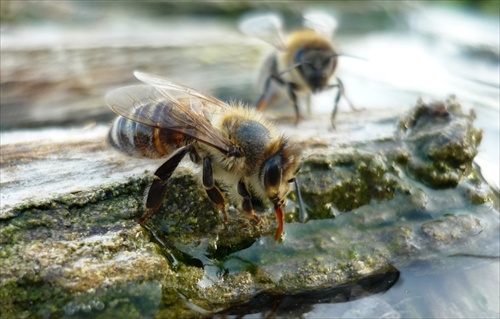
247	201
291	88
270	94
340	92
158	188
213	191
308	103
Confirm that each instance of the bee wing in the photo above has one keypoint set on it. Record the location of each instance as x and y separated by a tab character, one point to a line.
170	106
320	22
169	85
267	27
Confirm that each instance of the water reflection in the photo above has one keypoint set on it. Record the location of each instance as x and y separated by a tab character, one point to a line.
292	305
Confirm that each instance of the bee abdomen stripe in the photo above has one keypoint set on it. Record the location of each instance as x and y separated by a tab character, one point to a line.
120	137
131	138
140	140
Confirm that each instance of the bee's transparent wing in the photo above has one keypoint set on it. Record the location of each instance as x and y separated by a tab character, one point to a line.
171	107
168	86
267	27
321	22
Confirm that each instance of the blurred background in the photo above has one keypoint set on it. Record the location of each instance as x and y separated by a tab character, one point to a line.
59	58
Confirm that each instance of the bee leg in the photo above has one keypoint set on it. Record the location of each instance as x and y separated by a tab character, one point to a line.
291	93
158	188
336	103
340	92
262	102
213	191
308	103
269	96
247	201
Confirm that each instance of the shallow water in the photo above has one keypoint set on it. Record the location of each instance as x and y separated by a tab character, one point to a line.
454	286
451	292
421	292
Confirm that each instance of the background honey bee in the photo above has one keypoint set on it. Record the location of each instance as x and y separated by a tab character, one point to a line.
304	63
234	145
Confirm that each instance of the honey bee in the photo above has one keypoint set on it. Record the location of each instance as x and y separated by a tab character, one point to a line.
304	63
234	145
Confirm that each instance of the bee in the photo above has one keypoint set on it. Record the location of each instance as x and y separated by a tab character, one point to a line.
234	145
303	63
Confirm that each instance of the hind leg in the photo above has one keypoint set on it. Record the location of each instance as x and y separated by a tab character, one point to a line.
158	188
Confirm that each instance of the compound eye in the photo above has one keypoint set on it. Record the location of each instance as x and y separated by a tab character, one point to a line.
272	175
299	56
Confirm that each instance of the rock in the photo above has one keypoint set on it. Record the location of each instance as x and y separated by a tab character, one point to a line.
71	244
452	228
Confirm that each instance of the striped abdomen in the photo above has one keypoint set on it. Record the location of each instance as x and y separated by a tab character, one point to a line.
140	140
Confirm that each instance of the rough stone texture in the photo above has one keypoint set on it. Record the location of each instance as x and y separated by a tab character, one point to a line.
81	252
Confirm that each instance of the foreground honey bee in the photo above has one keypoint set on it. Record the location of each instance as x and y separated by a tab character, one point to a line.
304	63
234	145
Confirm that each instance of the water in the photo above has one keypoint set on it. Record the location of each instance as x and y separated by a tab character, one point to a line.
425	292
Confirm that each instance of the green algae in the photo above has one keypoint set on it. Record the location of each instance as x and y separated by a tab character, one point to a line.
452	228
351	180
82	254
442	143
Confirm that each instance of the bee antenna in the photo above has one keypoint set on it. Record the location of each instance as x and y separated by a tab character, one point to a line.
348	56
293	66
302	212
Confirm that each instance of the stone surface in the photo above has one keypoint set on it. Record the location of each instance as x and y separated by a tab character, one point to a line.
71	244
